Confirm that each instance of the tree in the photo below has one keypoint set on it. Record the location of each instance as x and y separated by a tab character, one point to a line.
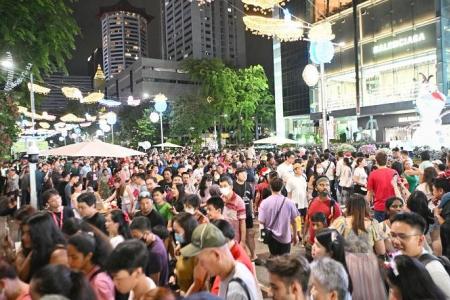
136	126
40	32
230	98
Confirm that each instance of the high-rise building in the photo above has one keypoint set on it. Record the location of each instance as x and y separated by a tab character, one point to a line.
212	30
124	36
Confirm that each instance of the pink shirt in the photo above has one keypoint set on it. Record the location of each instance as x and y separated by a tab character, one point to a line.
234	211
102	284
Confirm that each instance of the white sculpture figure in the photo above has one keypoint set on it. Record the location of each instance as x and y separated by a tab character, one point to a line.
430	102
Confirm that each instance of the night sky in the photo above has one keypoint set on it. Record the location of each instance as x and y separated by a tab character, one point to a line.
259	50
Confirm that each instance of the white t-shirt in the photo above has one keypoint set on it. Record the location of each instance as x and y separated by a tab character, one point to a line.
234	291
297	186
361	174
116	240
331	169
150	284
439	276
285	171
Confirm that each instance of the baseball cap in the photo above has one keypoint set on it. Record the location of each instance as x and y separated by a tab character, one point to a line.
204	236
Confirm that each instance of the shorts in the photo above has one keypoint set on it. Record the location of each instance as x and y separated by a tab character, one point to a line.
303	211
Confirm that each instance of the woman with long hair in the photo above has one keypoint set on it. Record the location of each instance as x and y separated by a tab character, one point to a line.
363	238
346	180
409	280
77	189
60	280
317	171
123	195
203	188
178	196
418	203
47	244
117	225
87	253
426	182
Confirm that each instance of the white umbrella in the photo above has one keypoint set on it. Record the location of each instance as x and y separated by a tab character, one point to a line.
168	145
94	148
275	140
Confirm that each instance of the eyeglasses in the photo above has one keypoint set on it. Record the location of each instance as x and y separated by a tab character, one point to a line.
403	236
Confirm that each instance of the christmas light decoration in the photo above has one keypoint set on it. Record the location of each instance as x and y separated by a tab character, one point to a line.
160	97
38	89
311	75
71	118
321	32
22	109
282	29
44	125
47	117
90	118
262	5
86	124
93	98
72	93
133	102
109	103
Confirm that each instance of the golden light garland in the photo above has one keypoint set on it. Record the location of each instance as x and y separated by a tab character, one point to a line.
71	118
285	31
47	117
93	98
38	89
22	109
90	118
72	93
44	125
262	5
160	97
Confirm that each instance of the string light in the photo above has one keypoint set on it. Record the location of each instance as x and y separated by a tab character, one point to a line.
262	5
160	97
44	125
71	118
283	30
39	89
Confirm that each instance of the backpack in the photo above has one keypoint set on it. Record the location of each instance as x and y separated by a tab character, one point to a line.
427	258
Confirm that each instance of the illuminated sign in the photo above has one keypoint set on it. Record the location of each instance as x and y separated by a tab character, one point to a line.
399	43
408	119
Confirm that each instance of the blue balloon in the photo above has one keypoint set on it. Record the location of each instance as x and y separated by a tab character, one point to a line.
321	52
160	106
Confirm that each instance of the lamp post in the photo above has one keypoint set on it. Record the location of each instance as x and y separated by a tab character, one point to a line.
111	119
160	107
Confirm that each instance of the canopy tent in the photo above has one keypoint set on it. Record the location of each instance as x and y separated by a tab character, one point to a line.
275	140
168	145
92	149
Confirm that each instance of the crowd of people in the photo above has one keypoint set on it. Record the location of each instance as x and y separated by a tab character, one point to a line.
180	225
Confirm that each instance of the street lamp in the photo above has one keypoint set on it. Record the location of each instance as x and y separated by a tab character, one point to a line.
111	119
160	107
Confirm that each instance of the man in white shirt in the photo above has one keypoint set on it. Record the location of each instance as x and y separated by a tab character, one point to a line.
285	170
329	169
296	187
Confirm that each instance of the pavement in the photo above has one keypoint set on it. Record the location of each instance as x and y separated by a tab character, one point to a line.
262	251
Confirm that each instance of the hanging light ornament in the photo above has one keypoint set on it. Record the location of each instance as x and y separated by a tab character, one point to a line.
310	75
38	89
321	32
47	117
22	109
202	2
92	98
90	118
86	124
133	102
282	29
109	103
71	118
44	125
72	93
262	5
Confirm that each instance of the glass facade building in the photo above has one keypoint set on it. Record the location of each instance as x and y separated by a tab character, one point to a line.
396	41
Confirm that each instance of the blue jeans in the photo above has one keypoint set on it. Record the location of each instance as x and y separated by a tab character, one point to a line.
380	216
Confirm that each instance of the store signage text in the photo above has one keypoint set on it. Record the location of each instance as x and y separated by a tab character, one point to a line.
400	42
408	119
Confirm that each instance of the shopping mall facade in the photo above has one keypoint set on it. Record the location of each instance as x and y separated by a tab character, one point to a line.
397	40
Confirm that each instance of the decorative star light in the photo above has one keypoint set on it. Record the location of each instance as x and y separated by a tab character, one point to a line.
72	93
39	89
109	103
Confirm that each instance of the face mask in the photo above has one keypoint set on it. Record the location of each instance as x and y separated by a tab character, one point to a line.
323	194
179	238
224	191
189	210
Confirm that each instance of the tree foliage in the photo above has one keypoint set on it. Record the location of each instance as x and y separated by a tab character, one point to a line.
41	32
232	98
136	127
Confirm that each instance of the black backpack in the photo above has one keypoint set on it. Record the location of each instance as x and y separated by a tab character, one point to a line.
427	258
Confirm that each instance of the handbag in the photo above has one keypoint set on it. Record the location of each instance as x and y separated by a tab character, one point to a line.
266	232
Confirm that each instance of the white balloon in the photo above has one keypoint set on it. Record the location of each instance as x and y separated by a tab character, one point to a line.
154	117
311	75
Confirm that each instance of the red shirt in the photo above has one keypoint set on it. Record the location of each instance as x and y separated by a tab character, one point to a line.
239	255
324	207
380	183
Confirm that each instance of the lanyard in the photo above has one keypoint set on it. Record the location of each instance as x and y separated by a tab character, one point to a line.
61	217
